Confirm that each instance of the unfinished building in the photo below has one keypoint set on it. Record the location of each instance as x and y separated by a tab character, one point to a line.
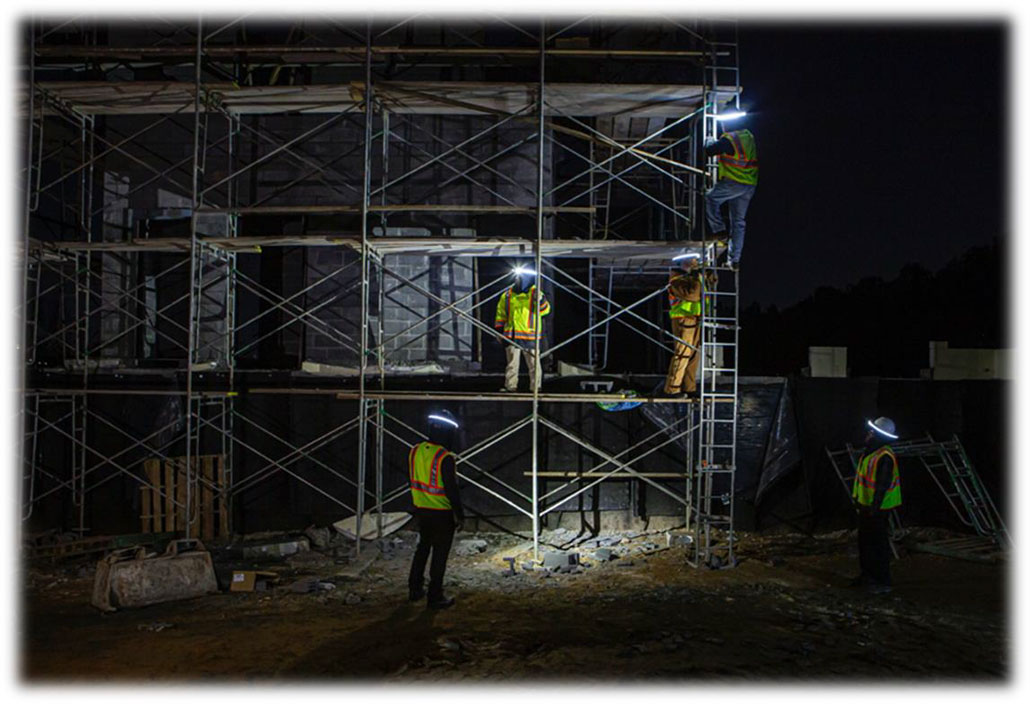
257	252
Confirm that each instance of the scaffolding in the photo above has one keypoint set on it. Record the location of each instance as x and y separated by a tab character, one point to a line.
148	289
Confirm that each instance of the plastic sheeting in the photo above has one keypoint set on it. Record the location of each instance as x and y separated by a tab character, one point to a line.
782	450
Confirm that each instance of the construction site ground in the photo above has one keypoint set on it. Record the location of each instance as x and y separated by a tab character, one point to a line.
785	612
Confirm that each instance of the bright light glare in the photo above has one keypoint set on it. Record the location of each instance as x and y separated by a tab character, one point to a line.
520	270
442	419
882	432
731	115
689	255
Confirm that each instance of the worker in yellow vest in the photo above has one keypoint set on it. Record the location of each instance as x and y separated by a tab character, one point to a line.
686	293
738	179
876	492
434	491
518	320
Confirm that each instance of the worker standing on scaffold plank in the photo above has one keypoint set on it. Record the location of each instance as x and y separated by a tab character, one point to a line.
876	492
686	292
738	179
518	319
434	491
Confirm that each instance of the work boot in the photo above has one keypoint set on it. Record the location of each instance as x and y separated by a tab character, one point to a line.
878	588
440	602
416	594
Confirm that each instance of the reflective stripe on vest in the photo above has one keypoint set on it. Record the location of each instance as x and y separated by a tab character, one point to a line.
742	165
517	316
424	477
864	488
679	308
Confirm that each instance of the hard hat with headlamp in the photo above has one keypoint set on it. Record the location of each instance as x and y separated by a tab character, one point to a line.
883	426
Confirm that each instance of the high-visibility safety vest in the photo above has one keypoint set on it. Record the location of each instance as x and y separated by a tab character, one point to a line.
425	476
684	307
864	488
516	314
742	164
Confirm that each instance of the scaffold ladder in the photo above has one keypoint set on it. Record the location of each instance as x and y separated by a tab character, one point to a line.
959	482
712	469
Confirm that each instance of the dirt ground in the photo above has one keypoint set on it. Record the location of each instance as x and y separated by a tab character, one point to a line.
784	613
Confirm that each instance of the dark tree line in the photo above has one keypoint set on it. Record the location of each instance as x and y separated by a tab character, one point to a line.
886	325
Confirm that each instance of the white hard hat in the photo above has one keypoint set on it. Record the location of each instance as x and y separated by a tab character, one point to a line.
884	426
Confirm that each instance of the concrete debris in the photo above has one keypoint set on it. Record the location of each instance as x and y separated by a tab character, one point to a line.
308	558
673	539
604	554
357	567
558	536
560	561
528	566
319	537
155	627
449	644
352	599
470	547
276	549
306	585
625	563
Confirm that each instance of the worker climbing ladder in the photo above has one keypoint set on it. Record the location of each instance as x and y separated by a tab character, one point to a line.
712	467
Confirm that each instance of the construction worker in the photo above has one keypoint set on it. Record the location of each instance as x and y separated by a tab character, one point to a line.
519	321
876	492
686	292
434	491
738	178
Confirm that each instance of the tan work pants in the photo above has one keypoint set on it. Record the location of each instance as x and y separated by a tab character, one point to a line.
511	372
682	376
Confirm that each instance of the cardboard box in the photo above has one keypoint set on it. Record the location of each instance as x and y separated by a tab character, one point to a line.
251	580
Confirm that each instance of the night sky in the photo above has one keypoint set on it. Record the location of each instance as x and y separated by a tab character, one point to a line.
879	145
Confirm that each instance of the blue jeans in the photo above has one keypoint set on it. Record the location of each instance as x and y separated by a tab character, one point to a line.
737	196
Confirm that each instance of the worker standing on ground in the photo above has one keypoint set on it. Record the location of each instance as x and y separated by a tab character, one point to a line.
876	492
434	491
738	179
518	319
686	293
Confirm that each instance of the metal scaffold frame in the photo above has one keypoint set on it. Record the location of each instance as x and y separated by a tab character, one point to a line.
661	166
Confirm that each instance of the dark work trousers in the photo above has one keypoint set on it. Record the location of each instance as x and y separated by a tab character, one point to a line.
874	550
435	532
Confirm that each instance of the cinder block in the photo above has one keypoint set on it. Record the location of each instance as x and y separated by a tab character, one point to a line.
560	561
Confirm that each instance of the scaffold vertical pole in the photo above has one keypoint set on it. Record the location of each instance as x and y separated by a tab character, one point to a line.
196	271
365	268
537	369
23	268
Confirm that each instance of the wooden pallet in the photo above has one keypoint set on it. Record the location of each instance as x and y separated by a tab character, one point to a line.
163	505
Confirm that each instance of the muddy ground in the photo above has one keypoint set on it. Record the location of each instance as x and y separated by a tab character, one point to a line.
784	613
